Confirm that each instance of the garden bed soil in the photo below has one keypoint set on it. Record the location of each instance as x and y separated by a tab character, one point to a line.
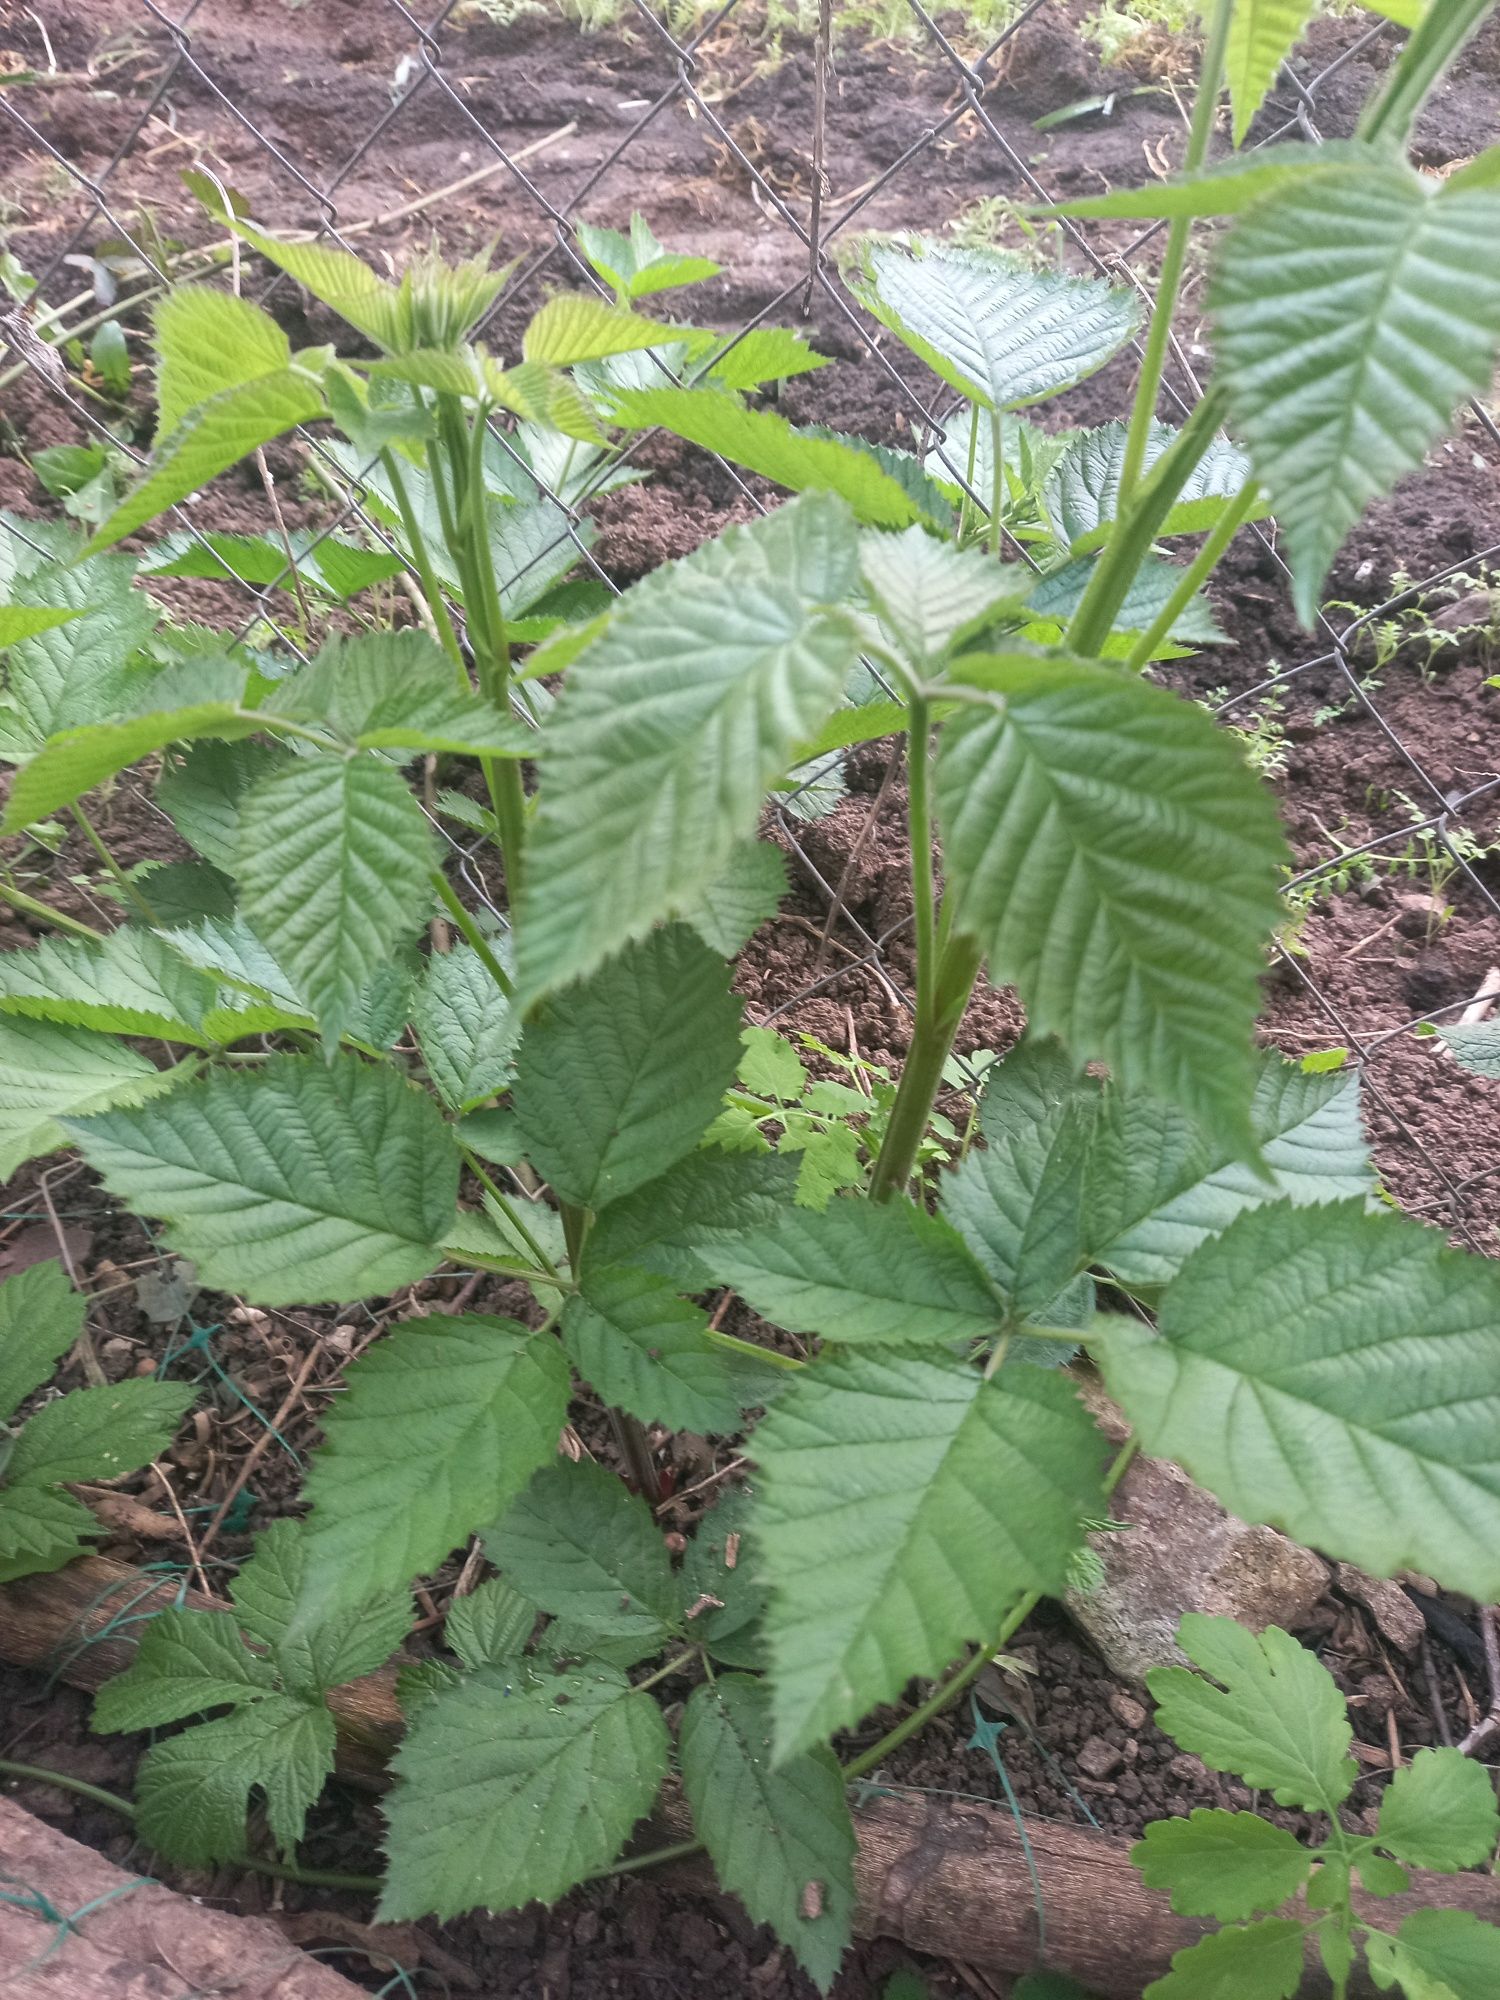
316	82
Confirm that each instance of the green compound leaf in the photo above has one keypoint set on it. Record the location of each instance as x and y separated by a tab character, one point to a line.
1277	1720
780	1838
1118	861
766	443
211	438
321	1651
1228	186
672	1225
1260	1961
439	1428
931	593
643	1349
490	1625
512	1789
637	264
208	341
584	1548
748	890
1221	1864
202	795
1439	1812
131	984
1017	1200
194	1790
622	1073
1083	489
1334	1374
997	330
722	1565
1477	1047
98	1433
82	671
295	1762
655	761
187	1661
395	690
1156	1189
40	1318
41	1528
334	863
1352	320
1262	34
863	1272
1438	1955
903	1503
467	1028
302	1182
49	1074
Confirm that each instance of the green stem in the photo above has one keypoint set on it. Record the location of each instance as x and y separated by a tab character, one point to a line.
319	1878
997	478
422	559
512	1216
1174	258
919	819
748	1350
1194	576
653	1858
672	1666
126	887
1137	528
33	906
966	503
948	1691
1434	42
958	964
471	933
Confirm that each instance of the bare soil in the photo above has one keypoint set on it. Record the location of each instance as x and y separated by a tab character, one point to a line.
287	101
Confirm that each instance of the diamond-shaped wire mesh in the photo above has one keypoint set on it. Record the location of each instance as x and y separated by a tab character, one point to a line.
375	124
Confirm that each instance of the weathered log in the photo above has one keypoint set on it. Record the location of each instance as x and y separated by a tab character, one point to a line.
75	1927
947	1876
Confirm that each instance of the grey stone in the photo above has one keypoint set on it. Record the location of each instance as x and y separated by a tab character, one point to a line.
1180	1551
1397	1618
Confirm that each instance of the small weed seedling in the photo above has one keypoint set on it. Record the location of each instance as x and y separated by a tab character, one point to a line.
307	1059
1268	1711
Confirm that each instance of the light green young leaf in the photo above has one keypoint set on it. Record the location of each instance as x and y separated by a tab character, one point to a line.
1333	1373
216	435
584	1548
1439	1812
575	326
655	760
766	443
312	1654
1017	1201
904	1502
73	762
187	1661
24	621
98	1433
1260	1961
1000	332
1083	489
340	280
1262	34
1228	186
40	1318
334	864
301	1182
1438	1955
440	1427
1157	1189
780	1838
637	265
1277	1719
41	1528
131	984
511	1789
764	354
622	1073
771	1067
208	341
50	1073
1352	320
467	1028
829	1162
642	1348
930	594
202	795
720	1576
864	1273
747	891
671	1225
1117	859
1221	1864
490	1625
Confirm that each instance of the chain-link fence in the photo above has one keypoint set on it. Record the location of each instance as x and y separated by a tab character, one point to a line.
368	124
